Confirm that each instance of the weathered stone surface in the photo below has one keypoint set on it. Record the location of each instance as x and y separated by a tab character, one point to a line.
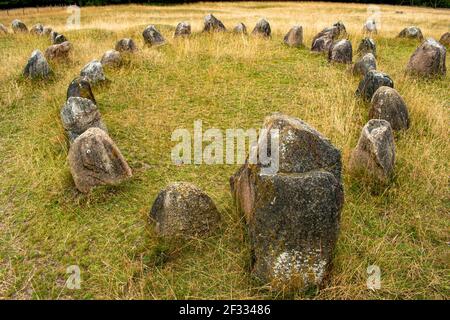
18	26
294	38
445	39
93	72
428	59
371	82
324	39
292	216
240	28
370	27
37	29
57	38
365	64
3	29
111	58
95	160
79	114
152	36
341	51
53	35
184	210
211	23
37	66
387	104
47	30
126	45
374	154
58	51
80	87
183	29
412	33
367	45
262	29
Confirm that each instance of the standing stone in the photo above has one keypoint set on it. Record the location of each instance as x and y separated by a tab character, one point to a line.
184	210
58	51
3	29
37	29
18	26
80	87
240	28
47	30
341	51
387	104
262	29
183	29
79	114
294	38
411	33
293	215
367	45
428	59
111	58
324	39
53	35
93	72
374	155
60	39
95	160
152	36
365	64
445	39
370	27
37	66
126	45
211	23
371	82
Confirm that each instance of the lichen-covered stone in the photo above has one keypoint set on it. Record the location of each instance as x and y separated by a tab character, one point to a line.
184	210
240	28
324	39
371	82
365	64
18	26
58	51
445	39
370	27
111	58
294	38
262	29
125	45
428	59
80	87
341	52
374	155
93	72
37	66
367	45
79	114
37	29
3	29
152	36
293	215
183	29
387	104
95	160
211	23
411	33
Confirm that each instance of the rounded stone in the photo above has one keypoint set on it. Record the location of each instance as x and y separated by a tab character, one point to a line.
387	104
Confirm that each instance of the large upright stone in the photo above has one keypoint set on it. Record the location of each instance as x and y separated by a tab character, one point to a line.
93	72
324	39
183	29
79	114
240	28
152	36
111	58
37	29
294	38
58	51
387	104
428	59
126	45
18	26
37	66
445	39
211	23
293	215
95	160
80	87
365	64
374	155
371	82
367	45
262	29
183	210
341	52
411	33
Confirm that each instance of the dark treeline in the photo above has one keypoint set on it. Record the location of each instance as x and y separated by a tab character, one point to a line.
5	4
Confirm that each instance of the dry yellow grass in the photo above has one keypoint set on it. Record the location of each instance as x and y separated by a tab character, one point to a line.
228	82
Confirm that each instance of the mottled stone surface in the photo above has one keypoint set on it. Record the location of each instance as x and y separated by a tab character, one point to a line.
387	104
57	38
445	39
367	45
95	160
324	39
411	33
374	155
365	64
152	36
37	29
3	29
262	29
370	27
341	52
371	82
292	216
111	58
80	87
184	210
294	38
428	59
18	26
37	66
211	23
93	72
183	29
79	114
58	51
125	45
240	28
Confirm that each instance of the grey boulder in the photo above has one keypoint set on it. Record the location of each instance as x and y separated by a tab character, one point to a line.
183	29
324	39
212	24
371	82
365	64
411	33
152	36
240	28
93	72
58	51
80	87
370	27
18	26
367	45
387	104
294	38
37	66
428	59
111	58
126	45
341	52
3	29
262	29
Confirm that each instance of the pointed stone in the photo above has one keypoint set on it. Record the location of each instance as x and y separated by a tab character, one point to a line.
262	29
152	36
367	45
370	27
18	26
294	38
183	29
324	39
371	82
211	23
58	51
93	72
3	29
240	28
37	66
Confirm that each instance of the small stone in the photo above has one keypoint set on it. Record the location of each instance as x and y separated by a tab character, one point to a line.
367	45
79	114
93	72
428	59
371	82
387	104
18	26
445	39
95	160
183	29
294	38
37	29
37	66
411	33
111	58
3	29
262	29
365	64
126	45
184	210
370	27
341	52
211	23
374	154
152	36
240	28
80	87
58	51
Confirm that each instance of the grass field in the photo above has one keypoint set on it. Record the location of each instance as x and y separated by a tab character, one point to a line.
226	81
